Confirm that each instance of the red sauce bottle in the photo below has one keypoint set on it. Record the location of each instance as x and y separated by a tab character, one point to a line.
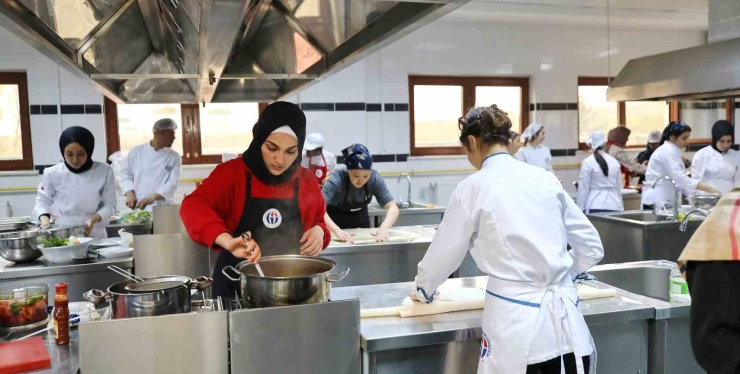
61	314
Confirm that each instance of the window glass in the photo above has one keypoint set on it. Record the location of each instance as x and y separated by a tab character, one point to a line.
594	112
11	141
508	99
642	117
701	116
437	110
135	123
227	127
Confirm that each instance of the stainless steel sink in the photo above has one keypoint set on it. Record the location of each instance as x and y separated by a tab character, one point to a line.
641	216
650	281
414	214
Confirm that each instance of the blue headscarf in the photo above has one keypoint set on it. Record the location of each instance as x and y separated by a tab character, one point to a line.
674	128
357	157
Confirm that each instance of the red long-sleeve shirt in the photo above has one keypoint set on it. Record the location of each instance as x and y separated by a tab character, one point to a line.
216	206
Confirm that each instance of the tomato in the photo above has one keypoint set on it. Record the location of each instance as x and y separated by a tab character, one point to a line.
4	309
41	305
27	311
17	320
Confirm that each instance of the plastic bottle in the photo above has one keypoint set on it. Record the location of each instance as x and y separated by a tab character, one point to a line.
61	314
678	288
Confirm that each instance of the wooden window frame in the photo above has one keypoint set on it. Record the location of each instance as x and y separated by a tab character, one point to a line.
468	85
26	163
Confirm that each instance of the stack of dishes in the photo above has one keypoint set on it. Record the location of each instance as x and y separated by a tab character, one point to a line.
108	247
13	223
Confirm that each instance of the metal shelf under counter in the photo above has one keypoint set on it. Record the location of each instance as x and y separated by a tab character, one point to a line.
450	343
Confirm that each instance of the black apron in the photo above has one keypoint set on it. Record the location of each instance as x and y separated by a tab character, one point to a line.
351	215
275	225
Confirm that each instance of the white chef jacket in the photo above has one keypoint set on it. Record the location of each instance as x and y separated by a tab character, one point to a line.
517	221
666	161
147	171
331	161
596	191
539	156
75	198
721	171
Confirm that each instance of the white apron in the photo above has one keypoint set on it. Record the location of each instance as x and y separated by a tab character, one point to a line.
509	323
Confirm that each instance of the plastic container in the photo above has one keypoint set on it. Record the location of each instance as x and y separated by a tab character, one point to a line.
23	306
679	289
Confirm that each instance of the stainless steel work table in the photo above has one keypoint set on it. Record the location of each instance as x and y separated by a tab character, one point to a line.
449	343
81	277
377	263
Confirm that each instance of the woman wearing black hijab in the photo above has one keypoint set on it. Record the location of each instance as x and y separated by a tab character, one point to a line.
266	193
718	165
78	190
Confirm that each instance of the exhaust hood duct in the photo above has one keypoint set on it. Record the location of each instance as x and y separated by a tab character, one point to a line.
202	51
710	71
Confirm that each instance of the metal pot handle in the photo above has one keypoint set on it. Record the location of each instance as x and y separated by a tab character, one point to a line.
223	271
201	283
334	278
96	296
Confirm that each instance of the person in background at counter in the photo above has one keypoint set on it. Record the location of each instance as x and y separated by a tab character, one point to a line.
616	143
534	152
718	165
600	183
516	220
265	193
320	162
349	192
78	190
667	161
515	144
711	265
644	156
151	172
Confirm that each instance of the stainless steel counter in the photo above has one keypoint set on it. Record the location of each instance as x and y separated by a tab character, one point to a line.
417	214
136	229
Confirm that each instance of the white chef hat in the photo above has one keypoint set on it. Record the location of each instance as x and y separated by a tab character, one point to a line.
285	130
531	131
164	124
313	141
655	136
596	140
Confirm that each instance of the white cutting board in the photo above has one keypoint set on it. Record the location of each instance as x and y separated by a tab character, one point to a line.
364	236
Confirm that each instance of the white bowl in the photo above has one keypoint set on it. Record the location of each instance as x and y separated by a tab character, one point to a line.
68	253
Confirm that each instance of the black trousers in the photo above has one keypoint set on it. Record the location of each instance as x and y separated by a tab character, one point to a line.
553	366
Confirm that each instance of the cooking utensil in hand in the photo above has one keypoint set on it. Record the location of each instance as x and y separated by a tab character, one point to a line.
124	273
246	237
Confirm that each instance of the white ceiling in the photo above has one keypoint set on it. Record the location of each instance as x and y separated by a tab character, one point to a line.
690	6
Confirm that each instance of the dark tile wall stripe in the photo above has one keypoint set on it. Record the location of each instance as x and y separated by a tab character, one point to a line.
384	158
40	168
553	106
346	107
93	109
320	107
374	107
402	158
49	109
562	152
35	109
389	108
66	109
73	109
401	107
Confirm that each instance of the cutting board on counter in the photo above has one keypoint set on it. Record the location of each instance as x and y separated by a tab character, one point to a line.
364	236
461	299
24	355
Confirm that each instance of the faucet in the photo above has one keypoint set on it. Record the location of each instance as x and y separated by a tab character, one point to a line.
677	201
687	218
408	178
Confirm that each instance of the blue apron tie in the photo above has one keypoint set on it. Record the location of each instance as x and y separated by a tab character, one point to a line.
525	303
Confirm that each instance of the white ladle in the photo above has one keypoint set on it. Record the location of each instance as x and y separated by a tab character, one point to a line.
246	237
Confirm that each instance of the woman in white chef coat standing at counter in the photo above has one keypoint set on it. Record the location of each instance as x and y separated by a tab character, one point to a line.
78	190
718	165
517	221
534	152
600	182
667	161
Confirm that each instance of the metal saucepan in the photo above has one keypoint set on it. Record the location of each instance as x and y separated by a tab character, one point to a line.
292	280
155	296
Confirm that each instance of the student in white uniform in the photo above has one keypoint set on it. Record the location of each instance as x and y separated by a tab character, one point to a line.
151	172
534	152
718	165
517	221
319	161
600	182
667	161
78	190
516	143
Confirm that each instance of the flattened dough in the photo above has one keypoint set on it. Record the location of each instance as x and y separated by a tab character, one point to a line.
364	236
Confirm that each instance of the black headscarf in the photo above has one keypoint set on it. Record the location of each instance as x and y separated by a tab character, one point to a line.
276	115
85	139
721	128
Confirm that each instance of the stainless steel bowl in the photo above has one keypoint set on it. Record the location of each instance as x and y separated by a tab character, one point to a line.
705	201
67	230
22	246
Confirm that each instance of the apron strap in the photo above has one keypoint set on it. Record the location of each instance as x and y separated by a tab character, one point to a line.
295	190
249	185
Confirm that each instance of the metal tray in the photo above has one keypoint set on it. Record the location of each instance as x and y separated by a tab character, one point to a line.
17	226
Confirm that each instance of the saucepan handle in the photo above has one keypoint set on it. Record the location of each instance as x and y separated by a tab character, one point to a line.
201	283
334	278
96	296
229	267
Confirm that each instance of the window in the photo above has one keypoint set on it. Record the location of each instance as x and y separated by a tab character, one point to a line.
701	116
203	133
595	113
437	103
15	123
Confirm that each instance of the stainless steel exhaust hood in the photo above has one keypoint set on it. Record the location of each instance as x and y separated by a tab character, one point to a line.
202	51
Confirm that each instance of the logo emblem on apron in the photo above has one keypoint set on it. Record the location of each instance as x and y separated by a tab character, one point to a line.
485	346
272	218
168	168
319	173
